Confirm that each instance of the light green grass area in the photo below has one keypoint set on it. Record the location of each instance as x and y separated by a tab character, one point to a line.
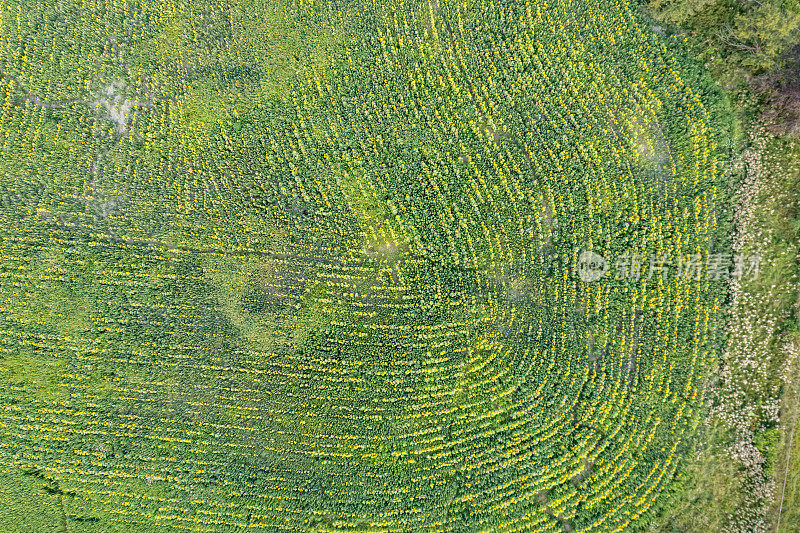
787	459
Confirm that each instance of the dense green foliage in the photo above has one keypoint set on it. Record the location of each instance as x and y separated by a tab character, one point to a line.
740	39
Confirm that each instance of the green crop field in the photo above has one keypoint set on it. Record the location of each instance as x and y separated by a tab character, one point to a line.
273	265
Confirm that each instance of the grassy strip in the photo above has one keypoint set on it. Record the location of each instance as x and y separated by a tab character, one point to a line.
736	481
786	511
